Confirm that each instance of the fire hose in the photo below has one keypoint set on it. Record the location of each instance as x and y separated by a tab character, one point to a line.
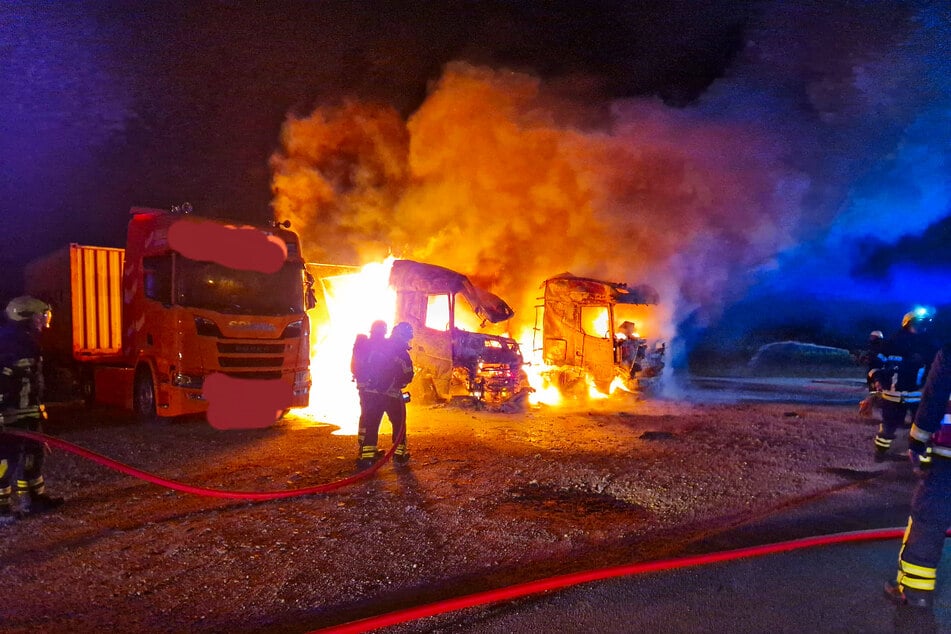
187	488
522	590
487	597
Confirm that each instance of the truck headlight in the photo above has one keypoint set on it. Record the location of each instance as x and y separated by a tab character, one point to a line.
207	328
293	329
189	381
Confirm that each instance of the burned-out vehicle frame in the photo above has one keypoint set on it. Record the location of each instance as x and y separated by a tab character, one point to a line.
581	337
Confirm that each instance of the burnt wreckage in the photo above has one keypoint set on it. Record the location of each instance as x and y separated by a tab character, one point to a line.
580	337
451	362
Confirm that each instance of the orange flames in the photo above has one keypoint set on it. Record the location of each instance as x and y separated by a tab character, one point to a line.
512	181
351	299
350	303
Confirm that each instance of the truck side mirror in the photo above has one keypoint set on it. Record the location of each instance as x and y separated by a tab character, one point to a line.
310	295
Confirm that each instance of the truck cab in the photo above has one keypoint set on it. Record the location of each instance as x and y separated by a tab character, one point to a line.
193	309
453	361
582	334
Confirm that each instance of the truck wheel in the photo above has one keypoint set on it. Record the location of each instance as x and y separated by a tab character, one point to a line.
143	395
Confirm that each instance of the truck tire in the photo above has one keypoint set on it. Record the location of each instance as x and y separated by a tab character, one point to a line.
143	395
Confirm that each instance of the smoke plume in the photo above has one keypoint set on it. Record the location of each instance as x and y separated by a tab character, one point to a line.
512	179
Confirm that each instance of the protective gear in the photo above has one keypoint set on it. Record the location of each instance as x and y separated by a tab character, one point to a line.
402	331
21	402
390	369
930	517
920	318
40	503
25	307
919	453
905	359
910	598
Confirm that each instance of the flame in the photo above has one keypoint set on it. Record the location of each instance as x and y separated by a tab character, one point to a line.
351	303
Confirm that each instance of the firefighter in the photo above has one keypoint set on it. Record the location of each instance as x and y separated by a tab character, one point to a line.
364	348
390	369
874	359
907	356
21	407
929	448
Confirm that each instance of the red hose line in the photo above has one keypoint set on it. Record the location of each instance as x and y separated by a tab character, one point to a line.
187	488
520	590
480	598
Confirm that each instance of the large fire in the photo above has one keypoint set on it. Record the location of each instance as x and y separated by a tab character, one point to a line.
352	298
499	176
352	301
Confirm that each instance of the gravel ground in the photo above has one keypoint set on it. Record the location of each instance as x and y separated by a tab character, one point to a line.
488	500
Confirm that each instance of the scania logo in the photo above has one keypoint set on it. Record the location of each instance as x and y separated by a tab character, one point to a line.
247	325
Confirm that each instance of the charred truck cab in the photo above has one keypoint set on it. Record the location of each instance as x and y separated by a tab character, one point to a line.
580	336
451	362
149	324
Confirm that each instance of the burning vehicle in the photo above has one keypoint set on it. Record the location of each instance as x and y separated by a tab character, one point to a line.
581	336
452	360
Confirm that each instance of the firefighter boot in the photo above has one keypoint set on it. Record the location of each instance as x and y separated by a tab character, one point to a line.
401	455
36	503
911	598
369	454
6	515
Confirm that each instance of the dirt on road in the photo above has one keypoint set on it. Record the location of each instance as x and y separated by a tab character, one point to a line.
488	500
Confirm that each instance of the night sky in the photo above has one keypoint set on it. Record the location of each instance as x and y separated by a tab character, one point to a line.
846	105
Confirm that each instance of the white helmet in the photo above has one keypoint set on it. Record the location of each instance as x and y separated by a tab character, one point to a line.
25	307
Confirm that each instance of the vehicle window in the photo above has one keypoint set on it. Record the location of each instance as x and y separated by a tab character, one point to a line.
157	278
594	321
239	292
437	312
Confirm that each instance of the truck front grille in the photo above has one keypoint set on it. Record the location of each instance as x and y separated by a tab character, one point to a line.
250	362
250	348
254	375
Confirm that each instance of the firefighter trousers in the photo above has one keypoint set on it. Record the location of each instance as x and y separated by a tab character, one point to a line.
893	418
375	406
924	538
25	454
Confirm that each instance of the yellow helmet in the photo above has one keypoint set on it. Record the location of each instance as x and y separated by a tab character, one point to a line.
921	318
25	307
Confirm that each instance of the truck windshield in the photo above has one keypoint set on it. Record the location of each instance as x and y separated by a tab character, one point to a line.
215	287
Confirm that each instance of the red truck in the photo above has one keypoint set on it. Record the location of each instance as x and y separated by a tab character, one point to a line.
188	298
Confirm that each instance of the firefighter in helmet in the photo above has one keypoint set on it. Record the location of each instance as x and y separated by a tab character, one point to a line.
390	370
907	355
364	349
21	406
929	448
874	359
